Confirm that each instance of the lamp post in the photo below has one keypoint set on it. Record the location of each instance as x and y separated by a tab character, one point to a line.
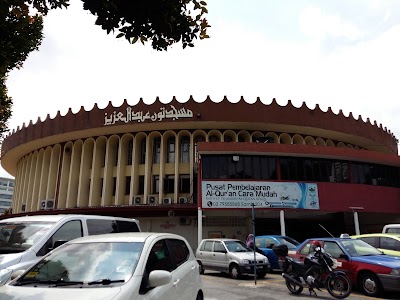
254	243
355	215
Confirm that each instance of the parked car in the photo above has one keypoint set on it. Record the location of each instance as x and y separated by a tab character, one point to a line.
141	265
24	240
388	243
265	243
369	270
230	256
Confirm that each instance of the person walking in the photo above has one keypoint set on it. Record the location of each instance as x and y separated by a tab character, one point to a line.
250	244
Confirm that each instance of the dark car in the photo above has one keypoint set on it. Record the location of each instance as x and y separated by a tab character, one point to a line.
369	270
265	243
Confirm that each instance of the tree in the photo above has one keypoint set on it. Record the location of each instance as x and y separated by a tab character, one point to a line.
161	22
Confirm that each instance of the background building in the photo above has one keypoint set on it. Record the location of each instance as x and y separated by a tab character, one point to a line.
6	193
149	162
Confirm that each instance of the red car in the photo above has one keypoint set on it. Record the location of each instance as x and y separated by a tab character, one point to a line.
369	270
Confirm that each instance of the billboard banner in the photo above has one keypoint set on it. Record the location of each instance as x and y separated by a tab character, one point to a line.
243	194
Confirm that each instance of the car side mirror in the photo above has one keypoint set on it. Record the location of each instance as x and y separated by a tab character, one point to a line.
159	278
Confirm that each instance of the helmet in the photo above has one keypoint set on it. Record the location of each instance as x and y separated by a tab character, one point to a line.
315	246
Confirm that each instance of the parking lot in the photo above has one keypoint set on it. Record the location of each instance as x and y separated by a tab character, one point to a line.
219	286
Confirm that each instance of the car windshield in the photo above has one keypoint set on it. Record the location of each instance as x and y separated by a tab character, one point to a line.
291	243
92	263
356	247
19	236
236	246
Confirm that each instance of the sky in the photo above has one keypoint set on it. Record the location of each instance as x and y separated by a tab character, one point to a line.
342	54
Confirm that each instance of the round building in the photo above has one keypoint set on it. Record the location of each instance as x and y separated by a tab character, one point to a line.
205	169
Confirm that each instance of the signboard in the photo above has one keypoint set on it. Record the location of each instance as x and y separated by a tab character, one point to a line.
139	116
242	194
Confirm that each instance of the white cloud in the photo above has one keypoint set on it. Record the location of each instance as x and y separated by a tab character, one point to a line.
316	24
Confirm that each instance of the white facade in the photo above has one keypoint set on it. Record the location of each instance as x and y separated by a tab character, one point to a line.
6	193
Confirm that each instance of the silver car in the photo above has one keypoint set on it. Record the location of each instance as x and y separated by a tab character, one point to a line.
230	256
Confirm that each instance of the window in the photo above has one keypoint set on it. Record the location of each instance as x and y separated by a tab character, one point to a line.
69	231
171	150
143	151
169	184
333	249
100	226
246	167
156	150
127	185
269	242
184	184
198	139
219	247
214	138
185	148
389	243
306	249
159	258
228	139
130	149
141	185
156	184
179	252
207	246
370	240
126	226
114	185
116	154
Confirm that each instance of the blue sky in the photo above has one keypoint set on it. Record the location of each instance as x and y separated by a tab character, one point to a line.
341	54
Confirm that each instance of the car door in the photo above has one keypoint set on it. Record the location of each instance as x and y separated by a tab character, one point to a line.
204	254
269	243
337	252
185	269
159	259
220	259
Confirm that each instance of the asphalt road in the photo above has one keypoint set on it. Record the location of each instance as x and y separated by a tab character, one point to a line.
219	286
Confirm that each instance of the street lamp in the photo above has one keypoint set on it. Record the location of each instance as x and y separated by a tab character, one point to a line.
355	215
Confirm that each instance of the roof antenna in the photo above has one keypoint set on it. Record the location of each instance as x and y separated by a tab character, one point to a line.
326	230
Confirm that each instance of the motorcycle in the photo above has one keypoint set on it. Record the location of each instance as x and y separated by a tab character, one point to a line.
316	272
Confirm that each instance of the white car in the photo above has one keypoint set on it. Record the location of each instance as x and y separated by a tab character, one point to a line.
140	265
231	256
24	240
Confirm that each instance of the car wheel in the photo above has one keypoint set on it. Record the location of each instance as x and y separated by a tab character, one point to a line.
201	268
261	274
369	284
234	271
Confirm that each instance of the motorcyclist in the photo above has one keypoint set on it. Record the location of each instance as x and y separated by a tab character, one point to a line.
315	246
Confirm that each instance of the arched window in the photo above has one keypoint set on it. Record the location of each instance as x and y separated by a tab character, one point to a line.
143	151
129	150
214	138
171	150
185	148
156	150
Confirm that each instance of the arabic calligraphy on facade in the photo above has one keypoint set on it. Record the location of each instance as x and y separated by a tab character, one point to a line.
139	116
